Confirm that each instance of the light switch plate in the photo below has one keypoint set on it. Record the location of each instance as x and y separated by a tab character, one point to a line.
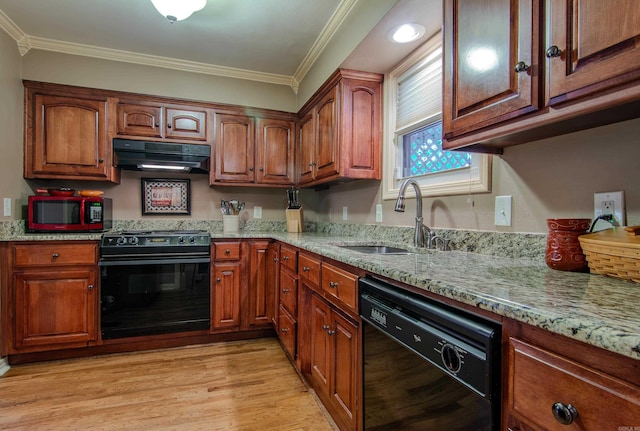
503	211
609	203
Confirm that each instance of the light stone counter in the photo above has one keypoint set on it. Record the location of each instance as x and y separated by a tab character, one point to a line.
506	275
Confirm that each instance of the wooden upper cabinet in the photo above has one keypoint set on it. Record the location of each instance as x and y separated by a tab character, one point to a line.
491	66
234	149
66	137
597	46
275	143
156	120
339	130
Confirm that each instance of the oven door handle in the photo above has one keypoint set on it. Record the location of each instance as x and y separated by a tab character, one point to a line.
131	262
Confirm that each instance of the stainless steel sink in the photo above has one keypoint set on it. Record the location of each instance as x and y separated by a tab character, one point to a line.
376	249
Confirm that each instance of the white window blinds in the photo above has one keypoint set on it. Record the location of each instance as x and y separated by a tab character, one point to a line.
420	92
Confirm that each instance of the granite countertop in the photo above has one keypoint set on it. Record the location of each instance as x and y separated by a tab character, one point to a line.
597	310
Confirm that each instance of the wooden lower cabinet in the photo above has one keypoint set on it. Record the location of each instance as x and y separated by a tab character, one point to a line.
334	361
225	296
260	290
55	309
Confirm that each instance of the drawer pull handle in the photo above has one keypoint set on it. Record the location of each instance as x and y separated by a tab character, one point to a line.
275	259
283	330
553	51
306	268
330	332
55	255
333	284
564	414
325	327
285	258
285	290
521	66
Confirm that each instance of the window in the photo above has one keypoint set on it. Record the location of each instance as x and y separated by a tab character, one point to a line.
413	132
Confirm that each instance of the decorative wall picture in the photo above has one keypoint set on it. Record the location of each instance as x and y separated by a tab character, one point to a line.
165	196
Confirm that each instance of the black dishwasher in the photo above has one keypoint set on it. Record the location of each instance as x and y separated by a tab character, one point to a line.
427	365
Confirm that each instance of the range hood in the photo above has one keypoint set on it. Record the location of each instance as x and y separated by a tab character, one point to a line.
161	156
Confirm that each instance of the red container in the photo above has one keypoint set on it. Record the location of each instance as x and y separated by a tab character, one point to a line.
563	251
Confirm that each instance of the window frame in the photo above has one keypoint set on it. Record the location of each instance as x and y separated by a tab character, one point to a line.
465	181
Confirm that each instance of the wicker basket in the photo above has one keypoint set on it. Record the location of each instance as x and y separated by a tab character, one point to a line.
614	253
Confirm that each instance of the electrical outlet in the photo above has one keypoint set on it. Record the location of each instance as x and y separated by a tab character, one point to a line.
7	207
345	213
503	211
378	213
257	211
609	203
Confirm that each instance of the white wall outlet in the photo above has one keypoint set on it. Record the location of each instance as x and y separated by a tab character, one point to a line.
257	211
610	203
503	211
378	213
345	213
7	207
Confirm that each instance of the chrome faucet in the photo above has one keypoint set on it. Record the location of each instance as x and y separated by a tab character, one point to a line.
422	236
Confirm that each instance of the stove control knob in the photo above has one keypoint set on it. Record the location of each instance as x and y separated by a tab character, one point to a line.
121	240
181	240
133	240
192	239
451	358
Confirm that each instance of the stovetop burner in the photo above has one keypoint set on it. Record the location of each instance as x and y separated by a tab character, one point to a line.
125	241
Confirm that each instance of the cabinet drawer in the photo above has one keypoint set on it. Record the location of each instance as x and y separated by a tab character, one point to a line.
226	251
289	258
47	254
287	332
538	379
340	283
309	269
289	292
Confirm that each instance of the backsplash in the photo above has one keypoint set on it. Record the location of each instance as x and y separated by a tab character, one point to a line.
503	244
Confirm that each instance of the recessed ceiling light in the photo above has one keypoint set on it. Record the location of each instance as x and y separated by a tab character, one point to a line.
406	33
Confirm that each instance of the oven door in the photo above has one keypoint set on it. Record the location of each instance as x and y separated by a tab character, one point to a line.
148	296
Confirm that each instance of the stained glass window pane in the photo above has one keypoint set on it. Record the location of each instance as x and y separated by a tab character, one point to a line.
423	154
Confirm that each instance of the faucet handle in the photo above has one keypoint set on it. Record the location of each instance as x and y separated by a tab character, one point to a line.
441	243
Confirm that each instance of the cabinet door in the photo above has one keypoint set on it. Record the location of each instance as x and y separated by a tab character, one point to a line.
140	120
344	337
273	279
234	149
274	155
483	43
306	149
186	124
327	146
225	307
69	138
55	309
320	343
598	46
287	332
260	294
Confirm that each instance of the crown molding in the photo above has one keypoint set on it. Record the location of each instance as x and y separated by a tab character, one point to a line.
329	30
26	42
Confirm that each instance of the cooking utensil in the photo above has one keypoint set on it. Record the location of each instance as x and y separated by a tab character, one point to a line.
90	193
292	197
63	191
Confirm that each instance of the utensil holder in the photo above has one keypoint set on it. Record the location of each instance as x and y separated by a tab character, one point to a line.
295	220
230	223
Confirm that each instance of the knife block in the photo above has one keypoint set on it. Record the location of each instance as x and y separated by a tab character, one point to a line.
295	220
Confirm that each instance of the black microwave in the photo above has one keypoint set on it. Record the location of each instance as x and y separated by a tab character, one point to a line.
68	214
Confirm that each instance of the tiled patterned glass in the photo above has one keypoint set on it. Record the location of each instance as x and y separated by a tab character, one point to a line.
423	154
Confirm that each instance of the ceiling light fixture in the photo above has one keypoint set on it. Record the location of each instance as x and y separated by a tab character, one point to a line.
406	33
177	10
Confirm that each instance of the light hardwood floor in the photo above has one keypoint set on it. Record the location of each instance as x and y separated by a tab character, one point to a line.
247	385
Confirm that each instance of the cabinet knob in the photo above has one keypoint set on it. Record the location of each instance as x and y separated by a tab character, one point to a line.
325	327
553	51
285	290
275	259
306	268
251	169
261	169
169	126
157	125
227	252
283	330
564	414
218	280
90	287
285	258
312	164
100	160
55	255
333	284
520	67
330	332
